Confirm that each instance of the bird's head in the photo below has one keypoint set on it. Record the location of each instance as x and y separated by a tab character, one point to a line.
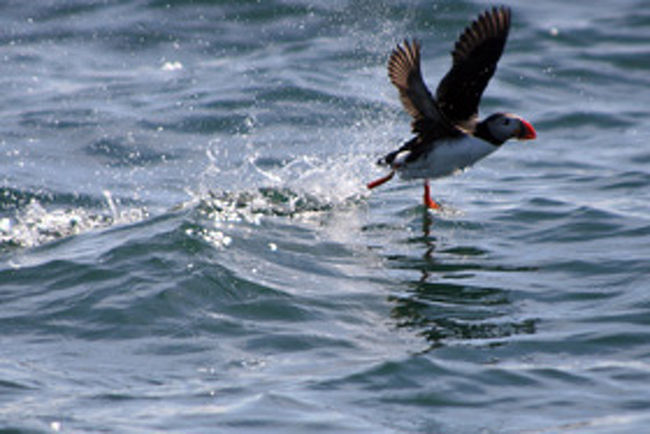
505	126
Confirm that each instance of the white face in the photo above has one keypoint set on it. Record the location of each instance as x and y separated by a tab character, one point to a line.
505	126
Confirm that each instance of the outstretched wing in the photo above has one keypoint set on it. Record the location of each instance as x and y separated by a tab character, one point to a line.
475	58
404	72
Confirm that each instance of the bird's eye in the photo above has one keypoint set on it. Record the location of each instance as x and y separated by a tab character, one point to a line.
506	121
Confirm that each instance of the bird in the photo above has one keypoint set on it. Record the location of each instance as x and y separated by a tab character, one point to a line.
449	136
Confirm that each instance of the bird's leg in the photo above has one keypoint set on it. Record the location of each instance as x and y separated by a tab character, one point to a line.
428	202
380	181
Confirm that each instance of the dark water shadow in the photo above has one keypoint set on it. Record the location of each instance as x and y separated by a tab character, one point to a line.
446	304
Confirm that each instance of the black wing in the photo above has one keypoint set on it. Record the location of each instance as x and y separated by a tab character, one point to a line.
404	72
475	58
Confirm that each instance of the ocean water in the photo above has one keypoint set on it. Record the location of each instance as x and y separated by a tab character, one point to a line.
187	245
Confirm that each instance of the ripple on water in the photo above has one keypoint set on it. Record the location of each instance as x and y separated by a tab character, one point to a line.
239	276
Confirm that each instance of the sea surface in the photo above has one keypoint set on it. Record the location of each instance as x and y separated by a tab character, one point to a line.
187	244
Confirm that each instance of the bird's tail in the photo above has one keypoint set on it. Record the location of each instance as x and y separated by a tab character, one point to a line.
387	160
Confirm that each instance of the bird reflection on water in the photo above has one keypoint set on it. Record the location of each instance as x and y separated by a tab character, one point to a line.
442	310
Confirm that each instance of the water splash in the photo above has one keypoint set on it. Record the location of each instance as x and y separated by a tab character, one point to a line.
35	224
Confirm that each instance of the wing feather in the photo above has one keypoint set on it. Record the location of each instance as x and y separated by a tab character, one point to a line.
475	57
404	72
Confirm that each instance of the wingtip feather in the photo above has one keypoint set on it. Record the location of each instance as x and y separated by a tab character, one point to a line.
491	23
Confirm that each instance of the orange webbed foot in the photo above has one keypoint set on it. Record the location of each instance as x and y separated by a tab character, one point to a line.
380	181
428	202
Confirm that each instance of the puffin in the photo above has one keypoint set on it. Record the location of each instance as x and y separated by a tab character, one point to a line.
449	136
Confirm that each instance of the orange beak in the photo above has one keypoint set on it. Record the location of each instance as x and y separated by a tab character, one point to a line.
526	132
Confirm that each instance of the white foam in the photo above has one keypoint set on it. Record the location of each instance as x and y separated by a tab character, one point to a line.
35	224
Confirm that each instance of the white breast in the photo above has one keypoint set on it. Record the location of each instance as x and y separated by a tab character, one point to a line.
447	157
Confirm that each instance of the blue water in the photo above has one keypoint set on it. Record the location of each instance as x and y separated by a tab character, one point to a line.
186	243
